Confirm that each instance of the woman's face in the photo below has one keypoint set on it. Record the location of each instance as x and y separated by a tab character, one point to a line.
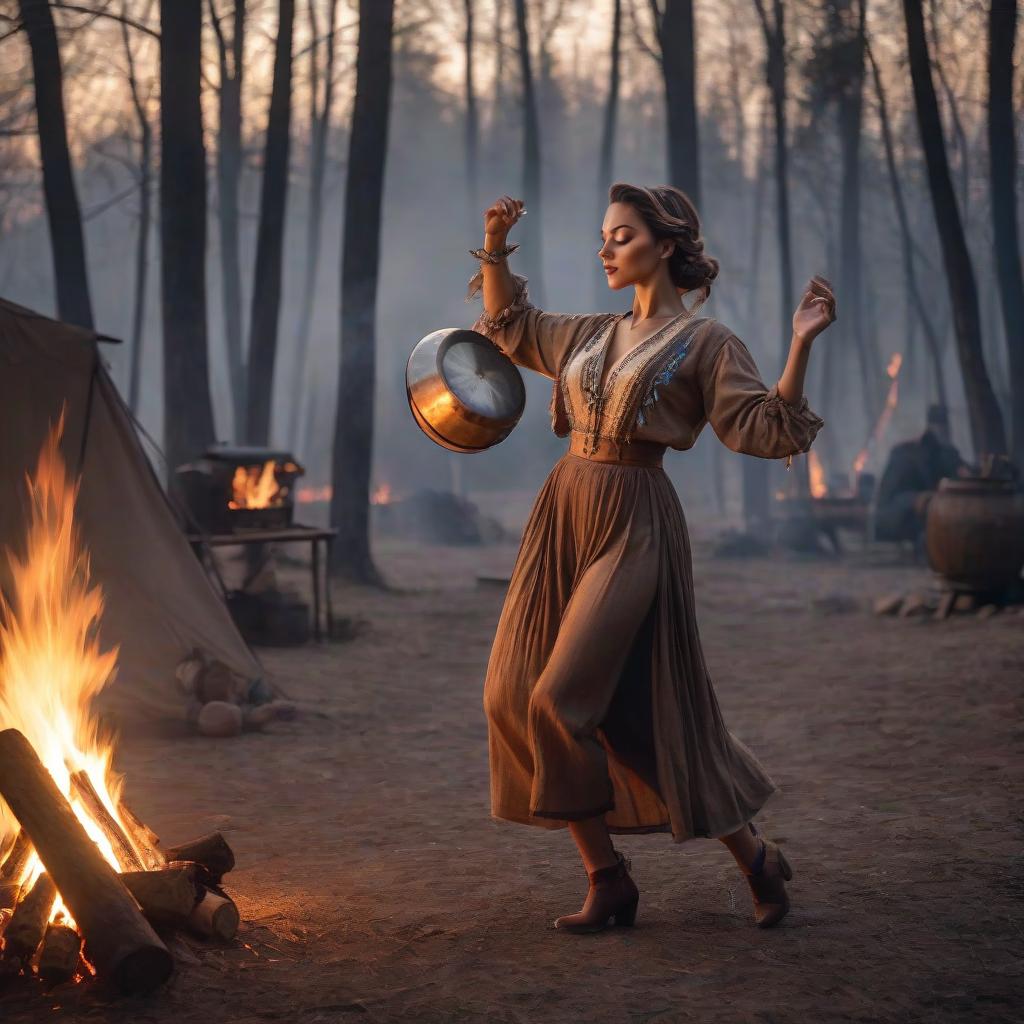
629	252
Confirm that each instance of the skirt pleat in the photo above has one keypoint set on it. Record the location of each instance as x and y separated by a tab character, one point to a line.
597	695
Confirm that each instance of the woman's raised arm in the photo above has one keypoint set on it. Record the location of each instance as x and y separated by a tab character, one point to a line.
529	336
499	286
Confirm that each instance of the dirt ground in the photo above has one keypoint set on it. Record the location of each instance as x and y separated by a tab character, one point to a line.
374	885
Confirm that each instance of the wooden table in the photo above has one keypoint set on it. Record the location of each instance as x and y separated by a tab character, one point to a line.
311	535
832	514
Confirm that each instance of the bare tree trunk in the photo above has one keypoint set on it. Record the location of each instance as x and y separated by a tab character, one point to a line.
320	120
188	414
533	224
142	239
756	499
608	132
472	119
266	288
775	38
364	187
850	102
959	144
67	243
775	42
983	410
907	239
229	171
1002	29
498	141
678	65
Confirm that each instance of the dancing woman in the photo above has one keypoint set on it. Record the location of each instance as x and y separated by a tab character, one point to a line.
601	714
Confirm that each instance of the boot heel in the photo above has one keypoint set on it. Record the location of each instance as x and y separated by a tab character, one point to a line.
627	916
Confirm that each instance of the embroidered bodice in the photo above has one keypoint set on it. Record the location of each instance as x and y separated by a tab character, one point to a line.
690	372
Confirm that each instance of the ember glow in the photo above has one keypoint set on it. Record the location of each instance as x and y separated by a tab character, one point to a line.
256	487
381	494
884	418
817	475
51	661
311	495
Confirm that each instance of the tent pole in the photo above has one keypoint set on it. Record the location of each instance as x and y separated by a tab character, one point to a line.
88	410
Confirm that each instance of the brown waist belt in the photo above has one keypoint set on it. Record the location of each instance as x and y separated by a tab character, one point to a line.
636	453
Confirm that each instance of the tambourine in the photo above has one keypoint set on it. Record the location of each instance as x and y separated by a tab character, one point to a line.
464	392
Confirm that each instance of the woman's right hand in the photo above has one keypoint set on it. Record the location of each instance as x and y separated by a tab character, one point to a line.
501	215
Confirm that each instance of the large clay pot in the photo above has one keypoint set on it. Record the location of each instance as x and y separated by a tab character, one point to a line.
975	532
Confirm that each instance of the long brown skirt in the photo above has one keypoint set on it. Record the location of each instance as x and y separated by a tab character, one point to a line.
597	696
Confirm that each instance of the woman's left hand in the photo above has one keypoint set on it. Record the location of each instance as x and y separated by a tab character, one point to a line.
816	311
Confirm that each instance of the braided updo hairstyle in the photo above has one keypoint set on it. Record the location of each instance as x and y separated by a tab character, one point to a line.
668	213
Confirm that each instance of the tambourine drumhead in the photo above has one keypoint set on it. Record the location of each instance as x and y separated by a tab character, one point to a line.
464	393
479	377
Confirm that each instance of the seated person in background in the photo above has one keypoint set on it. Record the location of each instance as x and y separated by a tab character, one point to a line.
911	476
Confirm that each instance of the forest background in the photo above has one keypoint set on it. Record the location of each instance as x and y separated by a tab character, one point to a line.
551	100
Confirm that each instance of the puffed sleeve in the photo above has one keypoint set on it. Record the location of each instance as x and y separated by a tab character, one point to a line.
746	415
530	336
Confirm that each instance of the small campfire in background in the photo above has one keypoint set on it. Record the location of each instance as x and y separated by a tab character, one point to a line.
833	503
238	488
85	888
425	515
884	418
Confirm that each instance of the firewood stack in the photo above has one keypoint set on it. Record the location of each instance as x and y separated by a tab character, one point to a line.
121	918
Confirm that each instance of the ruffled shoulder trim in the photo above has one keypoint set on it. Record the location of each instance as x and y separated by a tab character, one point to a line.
519	304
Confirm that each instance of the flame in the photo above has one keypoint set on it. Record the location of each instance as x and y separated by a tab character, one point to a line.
817	475
256	487
309	495
885	416
51	661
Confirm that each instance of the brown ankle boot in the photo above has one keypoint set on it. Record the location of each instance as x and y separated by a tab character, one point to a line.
612	895
768	886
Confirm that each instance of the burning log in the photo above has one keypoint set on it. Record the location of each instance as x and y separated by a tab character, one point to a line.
211	851
216	917
83	789
25	931
12	870
119	941
145	840
62	949
167	896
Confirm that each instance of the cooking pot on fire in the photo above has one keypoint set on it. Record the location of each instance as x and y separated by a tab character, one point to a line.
464	392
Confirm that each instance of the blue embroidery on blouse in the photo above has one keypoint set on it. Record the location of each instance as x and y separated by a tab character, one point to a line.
663	377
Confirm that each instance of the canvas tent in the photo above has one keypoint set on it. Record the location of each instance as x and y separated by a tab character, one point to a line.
159	603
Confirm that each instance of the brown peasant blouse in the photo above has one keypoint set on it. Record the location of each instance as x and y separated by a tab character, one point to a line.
690	372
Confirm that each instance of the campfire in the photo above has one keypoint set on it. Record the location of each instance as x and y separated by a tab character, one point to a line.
85	888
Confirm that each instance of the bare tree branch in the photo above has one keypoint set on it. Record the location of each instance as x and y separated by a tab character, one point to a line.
638	35
130	22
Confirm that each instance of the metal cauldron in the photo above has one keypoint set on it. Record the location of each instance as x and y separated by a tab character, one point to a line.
464	392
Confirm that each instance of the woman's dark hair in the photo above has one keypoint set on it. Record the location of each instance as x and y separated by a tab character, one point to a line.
668	213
